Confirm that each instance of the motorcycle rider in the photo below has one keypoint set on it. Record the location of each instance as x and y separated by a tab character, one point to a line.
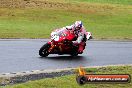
80	33
79	30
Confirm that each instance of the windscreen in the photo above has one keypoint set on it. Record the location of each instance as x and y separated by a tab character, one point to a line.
62	34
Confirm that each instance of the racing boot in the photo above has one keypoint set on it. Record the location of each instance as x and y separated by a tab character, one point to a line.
81	47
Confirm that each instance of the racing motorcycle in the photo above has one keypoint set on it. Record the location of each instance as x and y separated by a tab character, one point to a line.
61	43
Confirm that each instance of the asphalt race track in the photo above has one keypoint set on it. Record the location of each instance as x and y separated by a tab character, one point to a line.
17	55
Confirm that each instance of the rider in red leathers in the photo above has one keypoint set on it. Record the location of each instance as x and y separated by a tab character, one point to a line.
78	29
80	33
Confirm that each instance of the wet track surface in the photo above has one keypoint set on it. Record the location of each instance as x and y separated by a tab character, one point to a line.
22	55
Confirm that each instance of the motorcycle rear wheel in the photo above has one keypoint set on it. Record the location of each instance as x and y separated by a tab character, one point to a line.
74	54
74	51
43	52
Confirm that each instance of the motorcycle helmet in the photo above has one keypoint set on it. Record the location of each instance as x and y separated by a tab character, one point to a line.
78	25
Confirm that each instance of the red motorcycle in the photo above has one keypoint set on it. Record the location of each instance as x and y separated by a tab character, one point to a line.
61	43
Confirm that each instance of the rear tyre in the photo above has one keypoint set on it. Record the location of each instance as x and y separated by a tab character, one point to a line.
74	51
43	52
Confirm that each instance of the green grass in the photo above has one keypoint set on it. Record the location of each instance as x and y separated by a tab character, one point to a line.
105	21
70	82
124	2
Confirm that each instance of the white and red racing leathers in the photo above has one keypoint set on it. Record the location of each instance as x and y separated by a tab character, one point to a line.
80	34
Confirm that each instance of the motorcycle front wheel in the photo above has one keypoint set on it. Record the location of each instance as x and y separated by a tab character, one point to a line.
43	52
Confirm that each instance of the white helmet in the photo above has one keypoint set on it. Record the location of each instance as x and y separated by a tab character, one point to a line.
78	25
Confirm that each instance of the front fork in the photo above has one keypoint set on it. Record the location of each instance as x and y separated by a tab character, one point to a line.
53	46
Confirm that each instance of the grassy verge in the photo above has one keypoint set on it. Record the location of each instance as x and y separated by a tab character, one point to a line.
70	82
104	20
124	2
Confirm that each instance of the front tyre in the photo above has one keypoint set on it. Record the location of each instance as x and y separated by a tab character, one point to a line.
43	52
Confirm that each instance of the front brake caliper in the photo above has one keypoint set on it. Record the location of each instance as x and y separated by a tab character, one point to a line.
51	48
